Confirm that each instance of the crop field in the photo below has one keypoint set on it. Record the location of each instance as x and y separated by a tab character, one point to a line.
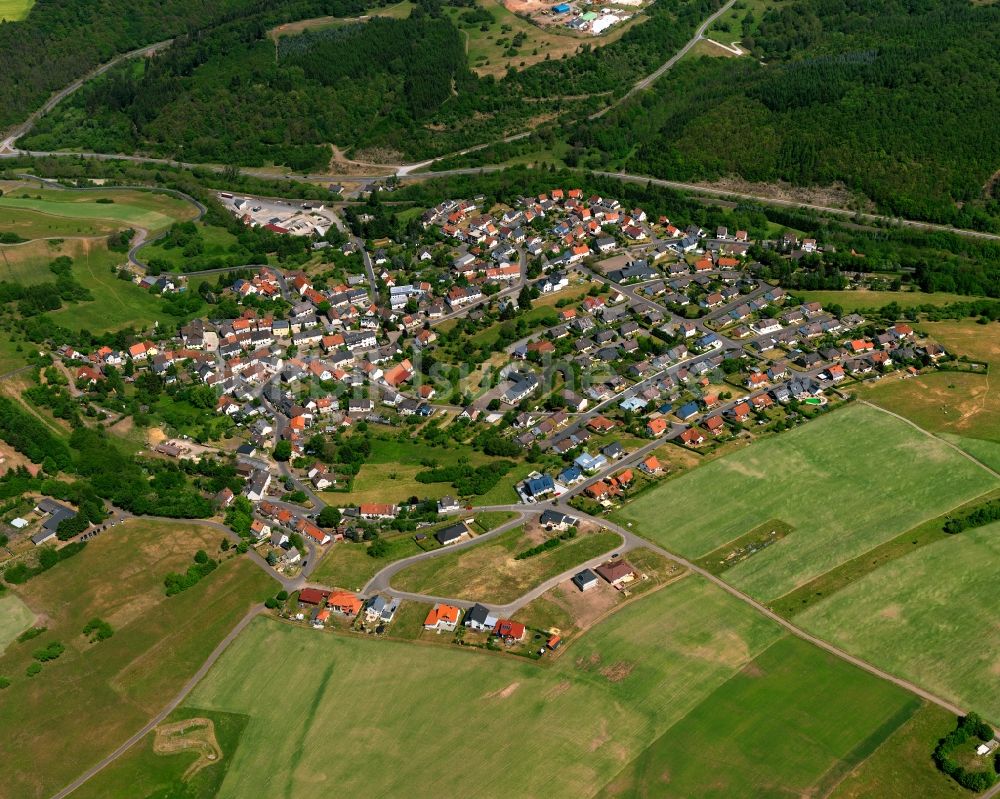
927	617
845	482
788	724
115	207
902	768
95	695
15	618
595	708
490	573
13	10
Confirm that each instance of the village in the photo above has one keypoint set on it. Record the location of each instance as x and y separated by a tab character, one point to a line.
589	343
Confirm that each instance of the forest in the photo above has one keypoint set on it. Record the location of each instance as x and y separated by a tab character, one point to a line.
896	99
396	88
61	40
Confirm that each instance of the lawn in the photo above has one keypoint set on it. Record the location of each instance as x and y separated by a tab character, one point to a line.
902	767
845	482
127	208
584	717
13	10
856	300
94	696
490	573
15	618
790	723
928	617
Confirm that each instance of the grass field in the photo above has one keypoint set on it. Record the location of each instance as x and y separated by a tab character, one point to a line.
30	224
961	404
71	209
902	767
13	10
827	584
489	572
349	566
786	725
845	482
142	772
855	300
15	618
676	646
397	11
217	242
389	474
928	617
96	695
117	303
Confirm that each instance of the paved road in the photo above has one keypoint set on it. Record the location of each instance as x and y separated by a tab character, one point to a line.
650	79
171	706
19	131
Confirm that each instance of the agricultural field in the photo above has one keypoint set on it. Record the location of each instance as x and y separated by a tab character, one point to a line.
855	300
490	573
927	617
596	707
148	771
92	697
15	618
845	483
901	768
56	212
787	724
960	406
13	10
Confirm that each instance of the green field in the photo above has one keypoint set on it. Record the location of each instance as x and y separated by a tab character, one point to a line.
217	242
71	209
117	303
489	573
855	300
13	10
902	767
595	708
30	224
389	474
845	482
95	695
928	617
15	618
788	722
145	773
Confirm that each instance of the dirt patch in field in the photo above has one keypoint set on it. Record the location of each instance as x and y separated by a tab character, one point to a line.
892	612
588	662
602	737
558	689
191	735
618	671
725	647
155	435
503	693
752	669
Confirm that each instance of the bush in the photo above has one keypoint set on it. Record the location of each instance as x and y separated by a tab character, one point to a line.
33	669
50	652
28	634
175	583
98	630
270	603
281	596
4	683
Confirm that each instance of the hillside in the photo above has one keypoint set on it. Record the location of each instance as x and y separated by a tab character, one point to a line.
894	98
